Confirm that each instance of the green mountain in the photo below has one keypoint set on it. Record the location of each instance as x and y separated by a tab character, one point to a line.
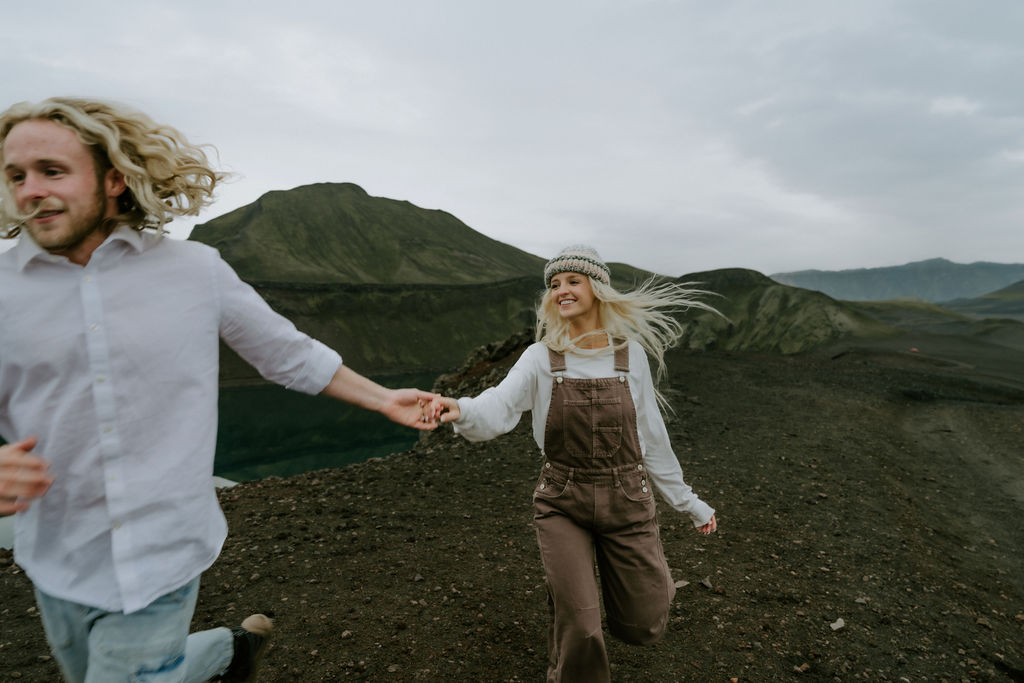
337	233
400	329
932	280
767	316
1007	302
398	289
763	315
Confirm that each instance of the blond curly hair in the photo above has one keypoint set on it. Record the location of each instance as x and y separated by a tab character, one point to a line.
166	175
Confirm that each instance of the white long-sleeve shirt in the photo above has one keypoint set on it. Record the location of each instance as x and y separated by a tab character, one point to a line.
114	366
528	387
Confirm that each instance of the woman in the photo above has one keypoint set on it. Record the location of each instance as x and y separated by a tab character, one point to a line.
597	421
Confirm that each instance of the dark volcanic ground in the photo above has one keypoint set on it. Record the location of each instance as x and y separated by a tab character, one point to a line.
870	529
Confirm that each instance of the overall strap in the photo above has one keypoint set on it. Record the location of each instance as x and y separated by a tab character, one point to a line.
557	361
622	356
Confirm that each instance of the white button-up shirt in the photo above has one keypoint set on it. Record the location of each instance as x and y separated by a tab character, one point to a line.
114	367
528	387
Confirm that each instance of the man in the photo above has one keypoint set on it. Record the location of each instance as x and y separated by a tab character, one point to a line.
108	389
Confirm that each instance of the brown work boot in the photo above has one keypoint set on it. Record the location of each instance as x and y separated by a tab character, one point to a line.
251	640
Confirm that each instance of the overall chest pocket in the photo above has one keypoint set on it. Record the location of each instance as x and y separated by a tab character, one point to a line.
593	426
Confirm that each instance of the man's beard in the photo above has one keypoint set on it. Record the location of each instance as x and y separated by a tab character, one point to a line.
80	229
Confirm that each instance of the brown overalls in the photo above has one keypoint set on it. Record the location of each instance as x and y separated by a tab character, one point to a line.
594	497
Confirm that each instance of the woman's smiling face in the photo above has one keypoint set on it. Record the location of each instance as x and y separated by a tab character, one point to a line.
575	300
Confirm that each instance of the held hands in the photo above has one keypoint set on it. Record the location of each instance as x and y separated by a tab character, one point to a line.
441	410
404	406
409	407
23	476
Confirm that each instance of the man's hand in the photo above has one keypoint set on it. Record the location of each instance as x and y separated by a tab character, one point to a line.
409	407
23	476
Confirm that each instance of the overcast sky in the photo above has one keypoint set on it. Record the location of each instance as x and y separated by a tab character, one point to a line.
677	136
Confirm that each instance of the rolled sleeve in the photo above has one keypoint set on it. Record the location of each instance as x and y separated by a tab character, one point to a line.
268	341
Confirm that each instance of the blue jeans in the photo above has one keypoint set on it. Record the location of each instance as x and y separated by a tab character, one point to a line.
152	645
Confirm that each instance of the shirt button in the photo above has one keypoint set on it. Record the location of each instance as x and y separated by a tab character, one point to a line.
94	326
101	378
107	429
87	278
115	526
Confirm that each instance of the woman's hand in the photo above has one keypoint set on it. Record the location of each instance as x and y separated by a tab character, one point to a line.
711	526
444	409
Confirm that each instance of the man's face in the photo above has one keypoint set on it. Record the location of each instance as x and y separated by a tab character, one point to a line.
52	173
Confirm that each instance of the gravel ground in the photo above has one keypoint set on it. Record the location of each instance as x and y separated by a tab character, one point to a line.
870	529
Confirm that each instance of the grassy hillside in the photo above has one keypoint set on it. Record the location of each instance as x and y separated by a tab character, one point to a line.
397	329
1007	302
394	287
924	318
764	315
398	289
337	233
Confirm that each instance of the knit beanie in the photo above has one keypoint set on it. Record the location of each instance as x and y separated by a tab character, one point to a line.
578	258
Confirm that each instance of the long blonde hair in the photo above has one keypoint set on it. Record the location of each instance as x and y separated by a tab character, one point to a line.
644	315
166	175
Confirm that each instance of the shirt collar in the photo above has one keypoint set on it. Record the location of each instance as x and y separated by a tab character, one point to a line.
27	250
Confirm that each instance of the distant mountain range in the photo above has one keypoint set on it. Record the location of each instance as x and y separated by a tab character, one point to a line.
401	289
934	280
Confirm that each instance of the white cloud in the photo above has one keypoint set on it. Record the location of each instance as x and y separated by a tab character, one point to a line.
1015	156
679	136
954	106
